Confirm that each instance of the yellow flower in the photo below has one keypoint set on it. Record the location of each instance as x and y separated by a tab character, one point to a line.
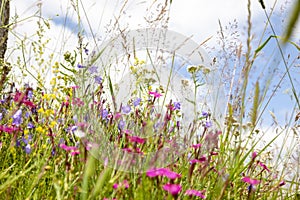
41	110
52	124
40	129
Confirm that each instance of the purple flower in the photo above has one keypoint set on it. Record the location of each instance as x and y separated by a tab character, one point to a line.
93	69
30	125
17	118
104	113
136	102
173	189
208	124
126	109
28	149
98	79
204	113
30	94
86	51
121	125
1	116
177	106
80	66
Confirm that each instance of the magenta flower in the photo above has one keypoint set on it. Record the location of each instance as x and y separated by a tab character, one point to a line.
263	166
124	184
173	189
136	139
254	155
155	94
195	193
196	146
163	172
247	179
8	129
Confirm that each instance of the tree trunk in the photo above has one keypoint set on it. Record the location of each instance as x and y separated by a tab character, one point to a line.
4	21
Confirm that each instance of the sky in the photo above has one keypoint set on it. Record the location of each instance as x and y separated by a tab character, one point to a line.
196	18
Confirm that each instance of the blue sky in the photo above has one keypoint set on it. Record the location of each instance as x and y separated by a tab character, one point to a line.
197	18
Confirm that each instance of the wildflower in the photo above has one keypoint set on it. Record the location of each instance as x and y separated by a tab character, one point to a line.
162	172
29	94
80	66
282	183
98	79
30	125
155	94
8	129
177	106
196	146
104	113
17	118
247	179
195	193
136	102
136	139
121	124
1	116
208	124
201	159
173	189
126	109
76	152
263	166
93	70
28	149
124	184
254	155
204	114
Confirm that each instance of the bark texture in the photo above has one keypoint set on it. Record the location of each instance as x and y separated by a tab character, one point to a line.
4	22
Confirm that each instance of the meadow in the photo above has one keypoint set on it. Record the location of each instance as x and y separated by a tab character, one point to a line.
90	132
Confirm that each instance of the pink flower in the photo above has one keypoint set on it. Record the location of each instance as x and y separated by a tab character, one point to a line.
247	179
115	186
173	189
124	184
155	94
196	146
163	172
263	166
73	153
201	159
254	155
195	193
8	129
282	183
136	139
